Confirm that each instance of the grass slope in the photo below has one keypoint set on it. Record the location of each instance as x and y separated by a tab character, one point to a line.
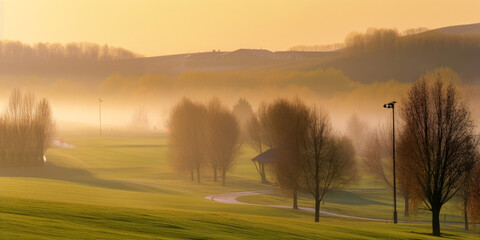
124	188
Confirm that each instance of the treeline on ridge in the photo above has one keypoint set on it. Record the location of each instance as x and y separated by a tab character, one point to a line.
83	51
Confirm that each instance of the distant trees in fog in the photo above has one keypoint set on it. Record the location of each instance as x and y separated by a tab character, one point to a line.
26	130
242	110
309	155
379	41
377	159
203	135
18	51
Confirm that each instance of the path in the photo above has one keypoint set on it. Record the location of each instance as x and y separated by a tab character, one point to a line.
231	198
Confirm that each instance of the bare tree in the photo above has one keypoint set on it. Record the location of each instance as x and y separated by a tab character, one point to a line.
357	130
26	130
187	136
473	203
254	138
286	124
243	112
140	118
378	161
222	137
43	128
327	161
437	143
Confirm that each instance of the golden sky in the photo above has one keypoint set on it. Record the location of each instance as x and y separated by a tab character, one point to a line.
159	27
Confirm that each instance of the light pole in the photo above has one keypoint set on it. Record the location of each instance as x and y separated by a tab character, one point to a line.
100	114
392	106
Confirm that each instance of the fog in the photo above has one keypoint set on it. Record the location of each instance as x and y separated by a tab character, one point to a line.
355	81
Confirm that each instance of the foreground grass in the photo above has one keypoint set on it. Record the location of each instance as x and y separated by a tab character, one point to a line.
31	219
124	188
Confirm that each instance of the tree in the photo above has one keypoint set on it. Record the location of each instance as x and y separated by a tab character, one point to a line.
357	131
378	161
254	138
327	160
474	194
43	128
437	144
140	118
222	138
243	112
286	125
26	130
187	136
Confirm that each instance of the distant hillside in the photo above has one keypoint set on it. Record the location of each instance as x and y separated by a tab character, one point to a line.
473	29
378	55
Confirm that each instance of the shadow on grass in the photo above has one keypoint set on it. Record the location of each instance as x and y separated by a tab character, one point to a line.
76	175
442	235
350	198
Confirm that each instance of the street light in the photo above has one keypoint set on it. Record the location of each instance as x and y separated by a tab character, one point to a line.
392	106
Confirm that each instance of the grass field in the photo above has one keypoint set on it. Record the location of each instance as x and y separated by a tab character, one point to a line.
124	188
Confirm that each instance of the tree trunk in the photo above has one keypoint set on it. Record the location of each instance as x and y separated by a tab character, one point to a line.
214	174
223	178
295	205
262	172
317	209
435	220
198	173
191	174
465	212
406	206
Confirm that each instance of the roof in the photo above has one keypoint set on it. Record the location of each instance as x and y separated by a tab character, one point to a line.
266	157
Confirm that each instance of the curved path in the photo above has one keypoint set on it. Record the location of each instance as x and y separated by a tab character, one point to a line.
231	198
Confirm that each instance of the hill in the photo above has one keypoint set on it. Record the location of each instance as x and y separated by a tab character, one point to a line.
378	55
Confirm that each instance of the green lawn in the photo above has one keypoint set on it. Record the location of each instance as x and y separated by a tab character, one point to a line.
124	188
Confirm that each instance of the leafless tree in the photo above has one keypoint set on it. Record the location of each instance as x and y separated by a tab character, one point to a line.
243	112
140	118
473	203
357	130
26	130
255	140
437	143
222	138
327	160
187	136
378	161
286	124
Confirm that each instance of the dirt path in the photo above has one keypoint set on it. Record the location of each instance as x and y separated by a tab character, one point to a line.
231	198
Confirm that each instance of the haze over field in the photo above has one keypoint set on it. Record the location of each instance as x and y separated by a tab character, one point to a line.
214	119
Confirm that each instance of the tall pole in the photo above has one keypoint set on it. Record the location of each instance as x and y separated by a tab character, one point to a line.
392	106
394	179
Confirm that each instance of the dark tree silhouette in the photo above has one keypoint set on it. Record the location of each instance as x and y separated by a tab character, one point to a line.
286	124
26	130
222	138
327	159
187	136
255	139
437	143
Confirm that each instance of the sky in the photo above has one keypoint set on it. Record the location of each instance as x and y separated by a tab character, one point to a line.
162	27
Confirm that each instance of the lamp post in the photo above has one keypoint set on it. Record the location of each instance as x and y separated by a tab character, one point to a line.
392	106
